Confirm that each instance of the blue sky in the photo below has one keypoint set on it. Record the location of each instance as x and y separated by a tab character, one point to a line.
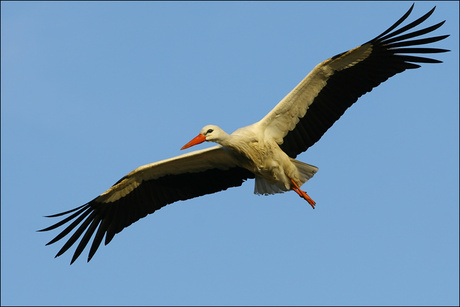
92	90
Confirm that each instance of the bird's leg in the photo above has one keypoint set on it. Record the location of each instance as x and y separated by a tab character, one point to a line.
302	194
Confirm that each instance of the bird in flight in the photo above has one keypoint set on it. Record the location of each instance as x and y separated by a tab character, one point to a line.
264	151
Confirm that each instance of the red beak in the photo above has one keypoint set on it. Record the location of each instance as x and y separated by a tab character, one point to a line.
197	140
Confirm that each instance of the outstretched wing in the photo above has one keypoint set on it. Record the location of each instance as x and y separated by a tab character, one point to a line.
302	117
145	190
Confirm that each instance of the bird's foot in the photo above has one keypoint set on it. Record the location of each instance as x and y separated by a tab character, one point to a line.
303	194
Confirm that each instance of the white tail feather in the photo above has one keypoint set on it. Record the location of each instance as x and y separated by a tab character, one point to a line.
263	187
306	171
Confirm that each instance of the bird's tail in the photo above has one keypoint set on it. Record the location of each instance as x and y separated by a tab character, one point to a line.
306	171
263	187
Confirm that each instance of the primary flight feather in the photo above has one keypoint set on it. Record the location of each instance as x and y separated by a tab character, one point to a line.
265	150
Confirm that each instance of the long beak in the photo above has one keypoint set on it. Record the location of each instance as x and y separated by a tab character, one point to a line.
197	140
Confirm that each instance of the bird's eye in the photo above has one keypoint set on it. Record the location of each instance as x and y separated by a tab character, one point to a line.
209	131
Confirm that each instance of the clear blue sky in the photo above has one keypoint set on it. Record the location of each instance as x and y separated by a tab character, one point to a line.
90	91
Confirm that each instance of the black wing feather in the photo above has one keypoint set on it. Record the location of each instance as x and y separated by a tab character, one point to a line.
344	87
110	218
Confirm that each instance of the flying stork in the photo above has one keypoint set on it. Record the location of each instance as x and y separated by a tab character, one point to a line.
264	151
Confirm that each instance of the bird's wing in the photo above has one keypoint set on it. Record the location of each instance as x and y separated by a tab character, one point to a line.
145	190
311	108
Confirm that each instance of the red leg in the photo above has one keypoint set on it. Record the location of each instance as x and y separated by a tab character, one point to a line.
302	194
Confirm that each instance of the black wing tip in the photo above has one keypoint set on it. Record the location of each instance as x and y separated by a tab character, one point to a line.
66	212
73	259
396	37
59	254
62	252
78	214
46	229
391	32
89	258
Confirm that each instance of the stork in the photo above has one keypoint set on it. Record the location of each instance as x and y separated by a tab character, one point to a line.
264	151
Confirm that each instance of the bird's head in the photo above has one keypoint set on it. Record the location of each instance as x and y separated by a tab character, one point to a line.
209	133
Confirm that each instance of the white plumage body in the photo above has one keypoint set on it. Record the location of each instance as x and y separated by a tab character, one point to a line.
256	151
